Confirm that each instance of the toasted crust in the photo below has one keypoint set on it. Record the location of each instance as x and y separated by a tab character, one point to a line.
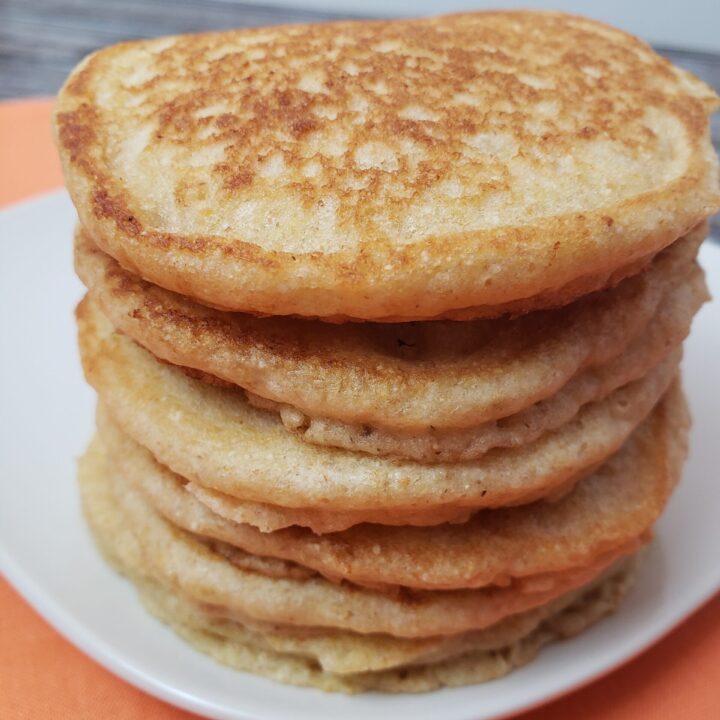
346	170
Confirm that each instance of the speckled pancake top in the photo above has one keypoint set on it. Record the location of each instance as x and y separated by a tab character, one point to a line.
391	169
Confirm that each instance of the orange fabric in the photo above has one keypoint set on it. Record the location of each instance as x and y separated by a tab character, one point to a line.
43	676
28	162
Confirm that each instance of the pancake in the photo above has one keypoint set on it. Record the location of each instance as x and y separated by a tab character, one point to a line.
335	656
213	437
180	561
660	342
268	517
408	378
332	652
344	170
469	668
612	510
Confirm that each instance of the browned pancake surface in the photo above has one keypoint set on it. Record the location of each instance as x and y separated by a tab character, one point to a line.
455	166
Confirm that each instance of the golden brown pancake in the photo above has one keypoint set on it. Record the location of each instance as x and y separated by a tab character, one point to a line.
659	343
612	510
213	437
229	644
345	170
338	660
499	647
443	392
177	559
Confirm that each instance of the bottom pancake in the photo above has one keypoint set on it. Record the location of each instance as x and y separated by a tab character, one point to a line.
228	643
328	658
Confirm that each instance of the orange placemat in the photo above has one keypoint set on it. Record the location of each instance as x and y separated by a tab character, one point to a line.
43	676
28	161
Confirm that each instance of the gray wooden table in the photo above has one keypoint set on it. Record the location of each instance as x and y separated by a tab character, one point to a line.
41	40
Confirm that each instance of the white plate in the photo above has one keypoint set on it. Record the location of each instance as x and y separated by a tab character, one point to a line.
45	551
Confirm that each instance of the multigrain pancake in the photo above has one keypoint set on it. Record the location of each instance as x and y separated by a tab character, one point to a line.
345	171
612	510
431	392
659	342
213	437
178	559
230	644
483	658
336	652
337	660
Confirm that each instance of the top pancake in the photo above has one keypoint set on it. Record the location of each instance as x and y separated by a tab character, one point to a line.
458	166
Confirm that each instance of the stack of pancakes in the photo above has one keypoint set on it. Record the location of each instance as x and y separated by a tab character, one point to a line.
385	321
